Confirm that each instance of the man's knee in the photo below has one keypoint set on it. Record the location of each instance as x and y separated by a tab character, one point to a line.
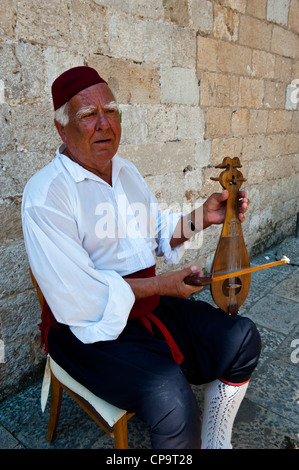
173	415
248	348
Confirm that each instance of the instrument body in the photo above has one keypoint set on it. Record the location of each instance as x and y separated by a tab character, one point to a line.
231	252
230	275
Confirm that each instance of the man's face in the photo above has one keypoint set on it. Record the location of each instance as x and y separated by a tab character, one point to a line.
93	132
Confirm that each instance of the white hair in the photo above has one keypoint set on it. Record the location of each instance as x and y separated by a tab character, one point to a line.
62	114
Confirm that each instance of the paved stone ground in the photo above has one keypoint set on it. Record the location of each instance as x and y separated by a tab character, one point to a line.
269	415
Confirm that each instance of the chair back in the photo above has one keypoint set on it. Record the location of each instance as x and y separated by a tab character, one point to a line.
39	292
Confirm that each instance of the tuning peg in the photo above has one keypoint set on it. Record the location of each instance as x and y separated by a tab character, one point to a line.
226	161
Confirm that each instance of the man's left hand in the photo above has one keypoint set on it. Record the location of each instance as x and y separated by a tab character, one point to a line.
215	206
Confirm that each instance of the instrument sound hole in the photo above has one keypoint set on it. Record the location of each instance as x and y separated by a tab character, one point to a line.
232	283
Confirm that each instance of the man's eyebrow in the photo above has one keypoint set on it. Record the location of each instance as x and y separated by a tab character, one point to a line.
111	105
91	108
85	110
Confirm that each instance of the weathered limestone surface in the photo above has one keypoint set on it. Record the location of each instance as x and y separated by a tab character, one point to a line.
197	80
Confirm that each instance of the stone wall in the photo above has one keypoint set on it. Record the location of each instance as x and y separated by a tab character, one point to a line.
197	80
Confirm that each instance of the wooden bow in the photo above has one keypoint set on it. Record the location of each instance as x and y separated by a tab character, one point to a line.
230	276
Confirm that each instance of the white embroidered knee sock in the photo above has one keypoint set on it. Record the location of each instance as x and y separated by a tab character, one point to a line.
221	404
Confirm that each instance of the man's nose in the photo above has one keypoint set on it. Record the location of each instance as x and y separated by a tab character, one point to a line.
102	120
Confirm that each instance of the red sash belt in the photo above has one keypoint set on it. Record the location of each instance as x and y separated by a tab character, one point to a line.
143	308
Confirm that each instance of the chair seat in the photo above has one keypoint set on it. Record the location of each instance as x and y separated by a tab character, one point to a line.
110	413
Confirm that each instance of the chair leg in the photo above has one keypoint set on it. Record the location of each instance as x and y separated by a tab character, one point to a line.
120	431
56	399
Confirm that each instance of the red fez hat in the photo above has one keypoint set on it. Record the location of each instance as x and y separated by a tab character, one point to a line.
71	82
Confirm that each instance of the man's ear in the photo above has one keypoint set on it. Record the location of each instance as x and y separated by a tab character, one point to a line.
60	130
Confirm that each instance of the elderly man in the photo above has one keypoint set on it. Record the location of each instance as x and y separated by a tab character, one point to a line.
110	316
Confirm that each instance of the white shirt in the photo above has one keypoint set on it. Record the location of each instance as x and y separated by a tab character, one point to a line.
82	235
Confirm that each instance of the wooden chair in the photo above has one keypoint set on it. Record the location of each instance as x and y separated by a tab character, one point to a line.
111	419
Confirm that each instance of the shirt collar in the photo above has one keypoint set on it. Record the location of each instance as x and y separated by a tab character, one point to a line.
79	173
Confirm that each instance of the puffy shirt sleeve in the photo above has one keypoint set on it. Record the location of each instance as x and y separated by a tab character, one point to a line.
94	303
167	221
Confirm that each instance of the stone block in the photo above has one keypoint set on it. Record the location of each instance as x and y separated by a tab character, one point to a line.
36	130
225	147
275	95
256	173
203	153
131	82
192	186
126	38
11	225
143	84
124	6
248	149
285	43
157	43
161	122
233	58
8	183
290	144
218	122
283	69
258	120
201	15
238	5
295	71
183	47
207	50
22	70
6	136
294	16
156	159
90	34
278	11
255	33
190	123
179	85
176	12
173	191
281	167
49	23
8	18
153	10
282	188
219	89
295	122
15	269
251	93
257	8
20	315
267	146
226	23
279	121
240	120
133	124
263	64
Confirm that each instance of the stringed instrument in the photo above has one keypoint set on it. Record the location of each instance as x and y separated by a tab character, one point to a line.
231	253
230	276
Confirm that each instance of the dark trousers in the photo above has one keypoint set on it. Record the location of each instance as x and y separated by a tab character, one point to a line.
137	372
